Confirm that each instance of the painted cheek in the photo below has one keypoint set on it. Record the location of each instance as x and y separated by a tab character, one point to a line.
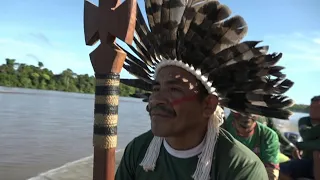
178	101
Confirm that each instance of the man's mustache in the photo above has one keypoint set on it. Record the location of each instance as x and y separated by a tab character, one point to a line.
161	108
245	123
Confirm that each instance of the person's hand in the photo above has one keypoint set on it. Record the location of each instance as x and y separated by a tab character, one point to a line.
296	153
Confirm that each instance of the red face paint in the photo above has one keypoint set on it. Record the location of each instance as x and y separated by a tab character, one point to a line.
183	99
236	115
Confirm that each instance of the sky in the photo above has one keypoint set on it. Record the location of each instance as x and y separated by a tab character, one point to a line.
51	31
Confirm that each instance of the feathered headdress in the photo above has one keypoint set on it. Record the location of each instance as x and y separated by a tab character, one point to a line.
199	36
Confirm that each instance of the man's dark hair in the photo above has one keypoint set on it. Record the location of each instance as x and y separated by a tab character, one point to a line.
315	98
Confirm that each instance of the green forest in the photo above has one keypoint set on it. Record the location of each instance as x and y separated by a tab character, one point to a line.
300	108
14	74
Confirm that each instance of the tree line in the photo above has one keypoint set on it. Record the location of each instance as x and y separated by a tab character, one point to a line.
14	74
300	108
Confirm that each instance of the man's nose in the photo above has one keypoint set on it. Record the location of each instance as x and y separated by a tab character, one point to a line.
155	99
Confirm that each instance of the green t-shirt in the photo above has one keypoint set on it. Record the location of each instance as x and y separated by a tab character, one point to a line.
307	130
310	135
232	161
264	141
282	139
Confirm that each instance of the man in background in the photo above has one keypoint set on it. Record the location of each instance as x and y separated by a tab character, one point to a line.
258	138
287	145
309	128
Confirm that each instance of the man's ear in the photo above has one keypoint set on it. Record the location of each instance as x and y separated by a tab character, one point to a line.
209	105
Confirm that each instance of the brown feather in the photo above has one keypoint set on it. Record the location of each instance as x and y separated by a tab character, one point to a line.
201	33
136	71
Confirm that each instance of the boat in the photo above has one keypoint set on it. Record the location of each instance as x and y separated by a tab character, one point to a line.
145	100
137	95
80	170
140	95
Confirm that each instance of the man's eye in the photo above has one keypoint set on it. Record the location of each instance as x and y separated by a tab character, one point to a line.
174	89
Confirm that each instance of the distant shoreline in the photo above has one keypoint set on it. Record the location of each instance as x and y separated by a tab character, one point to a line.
295	108
20	75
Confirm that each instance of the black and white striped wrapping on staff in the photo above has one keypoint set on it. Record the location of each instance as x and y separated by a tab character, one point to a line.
106	110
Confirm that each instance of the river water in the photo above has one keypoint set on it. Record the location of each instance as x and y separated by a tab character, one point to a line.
42	130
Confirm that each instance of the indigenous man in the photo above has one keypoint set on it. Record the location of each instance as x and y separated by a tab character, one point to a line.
197	63
309	128
259	138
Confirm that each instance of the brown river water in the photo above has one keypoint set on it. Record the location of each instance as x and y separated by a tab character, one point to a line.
42	130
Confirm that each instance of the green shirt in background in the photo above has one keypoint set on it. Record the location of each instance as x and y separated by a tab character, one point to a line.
282	139
264	142
232	161
310	135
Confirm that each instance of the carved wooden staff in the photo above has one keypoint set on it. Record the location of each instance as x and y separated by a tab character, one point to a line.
106	22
